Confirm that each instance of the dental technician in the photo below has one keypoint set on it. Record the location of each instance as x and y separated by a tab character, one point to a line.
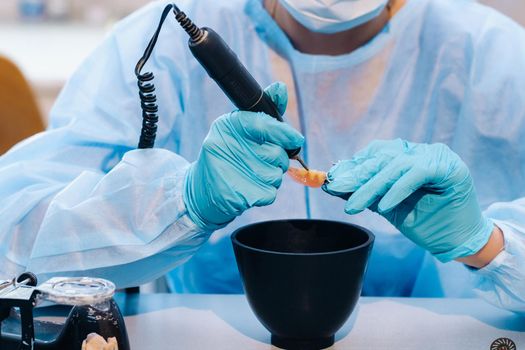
419	103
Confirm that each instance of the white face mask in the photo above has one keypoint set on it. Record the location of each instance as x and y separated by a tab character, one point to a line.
332	16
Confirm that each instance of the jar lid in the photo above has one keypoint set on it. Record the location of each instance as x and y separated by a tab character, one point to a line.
76	290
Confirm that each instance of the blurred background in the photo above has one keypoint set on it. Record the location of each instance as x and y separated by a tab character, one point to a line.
77	10
48	39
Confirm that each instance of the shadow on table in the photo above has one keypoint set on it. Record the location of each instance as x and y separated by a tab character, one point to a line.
475	308
236	314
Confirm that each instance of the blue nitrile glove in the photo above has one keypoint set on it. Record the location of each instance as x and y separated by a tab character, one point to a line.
424	190
241	164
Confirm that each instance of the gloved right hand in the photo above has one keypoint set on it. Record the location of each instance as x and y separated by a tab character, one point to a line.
240	165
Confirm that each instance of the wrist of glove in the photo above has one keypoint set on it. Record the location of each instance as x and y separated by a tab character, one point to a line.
240	165
425	191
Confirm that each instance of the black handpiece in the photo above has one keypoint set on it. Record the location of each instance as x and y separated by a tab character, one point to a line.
223	66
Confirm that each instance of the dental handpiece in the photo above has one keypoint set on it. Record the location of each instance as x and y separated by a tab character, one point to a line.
224	67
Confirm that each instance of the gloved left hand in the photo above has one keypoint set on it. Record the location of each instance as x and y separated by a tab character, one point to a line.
424	190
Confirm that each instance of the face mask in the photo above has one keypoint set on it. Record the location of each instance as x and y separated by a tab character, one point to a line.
332	16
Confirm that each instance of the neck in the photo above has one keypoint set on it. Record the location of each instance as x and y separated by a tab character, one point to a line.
340	43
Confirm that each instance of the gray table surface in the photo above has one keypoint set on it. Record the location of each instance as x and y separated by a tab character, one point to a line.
175	321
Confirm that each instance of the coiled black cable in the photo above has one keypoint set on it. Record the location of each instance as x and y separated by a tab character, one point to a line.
193	31
148	99
148	103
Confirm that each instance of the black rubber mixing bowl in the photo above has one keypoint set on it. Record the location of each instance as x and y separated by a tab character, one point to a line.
302	278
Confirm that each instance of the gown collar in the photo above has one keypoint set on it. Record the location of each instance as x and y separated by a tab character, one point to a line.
270	32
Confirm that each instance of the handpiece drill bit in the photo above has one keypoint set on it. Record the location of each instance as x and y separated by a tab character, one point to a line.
301	161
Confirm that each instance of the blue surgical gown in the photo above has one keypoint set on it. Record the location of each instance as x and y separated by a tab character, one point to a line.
79	200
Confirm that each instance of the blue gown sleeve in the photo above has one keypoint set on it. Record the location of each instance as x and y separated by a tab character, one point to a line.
78	199
502	282
495	100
